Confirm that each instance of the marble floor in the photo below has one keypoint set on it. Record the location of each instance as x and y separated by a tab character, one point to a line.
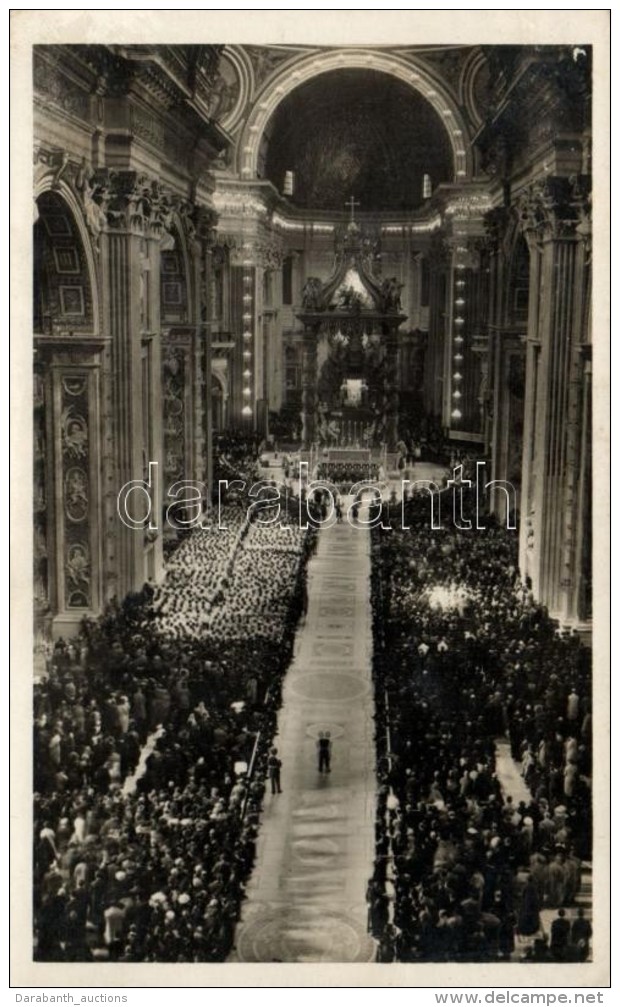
508	772
306	896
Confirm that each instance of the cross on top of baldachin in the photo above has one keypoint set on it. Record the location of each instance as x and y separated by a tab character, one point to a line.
352	203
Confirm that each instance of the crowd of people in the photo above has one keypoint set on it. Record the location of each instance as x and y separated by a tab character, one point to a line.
154	733
464	657
151	740
344	475
235	456
424	438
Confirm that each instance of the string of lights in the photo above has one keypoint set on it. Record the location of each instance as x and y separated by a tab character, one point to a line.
458	323
248	335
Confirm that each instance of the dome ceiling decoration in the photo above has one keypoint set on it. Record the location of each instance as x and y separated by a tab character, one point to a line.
356	131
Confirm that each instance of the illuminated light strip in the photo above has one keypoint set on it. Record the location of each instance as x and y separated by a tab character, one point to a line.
465	205
458	321
432	225
235	202
295	225
231	201
247	337
422	226
287	225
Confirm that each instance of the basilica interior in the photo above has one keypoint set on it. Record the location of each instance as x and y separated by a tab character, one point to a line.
359	266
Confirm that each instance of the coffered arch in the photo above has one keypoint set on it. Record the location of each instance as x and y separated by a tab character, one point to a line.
298	71
55	198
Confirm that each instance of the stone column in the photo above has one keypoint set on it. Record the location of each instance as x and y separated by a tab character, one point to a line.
308	385
507	432
480	346
577	608
201	233
131	206
558	280
390	388
529	459
577	559
438	330
198	376
205	335
488	346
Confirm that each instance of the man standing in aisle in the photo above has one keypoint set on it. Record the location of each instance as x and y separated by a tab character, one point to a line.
274	764
324	746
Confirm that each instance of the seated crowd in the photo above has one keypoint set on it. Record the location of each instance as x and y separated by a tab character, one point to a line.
464	659
203	560
147	730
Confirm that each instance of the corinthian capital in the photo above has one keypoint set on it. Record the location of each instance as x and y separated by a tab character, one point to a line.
553	208
133	202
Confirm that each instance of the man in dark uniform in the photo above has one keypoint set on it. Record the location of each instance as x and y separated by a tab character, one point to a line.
581	934
560	934
324	746
274	764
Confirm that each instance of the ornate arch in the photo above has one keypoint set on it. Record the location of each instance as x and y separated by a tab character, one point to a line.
469	95
49	182
242	65
295	72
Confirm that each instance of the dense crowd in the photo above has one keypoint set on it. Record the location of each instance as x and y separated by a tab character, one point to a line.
152	732
344	475
234	464
424	438
463	657
153	729
235	457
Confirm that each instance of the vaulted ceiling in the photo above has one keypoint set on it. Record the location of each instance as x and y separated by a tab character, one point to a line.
356	132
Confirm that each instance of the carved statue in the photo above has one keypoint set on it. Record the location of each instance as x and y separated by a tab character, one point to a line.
94	211
312	296
390	294
223	97
349	299
78	566
62	162
74	433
